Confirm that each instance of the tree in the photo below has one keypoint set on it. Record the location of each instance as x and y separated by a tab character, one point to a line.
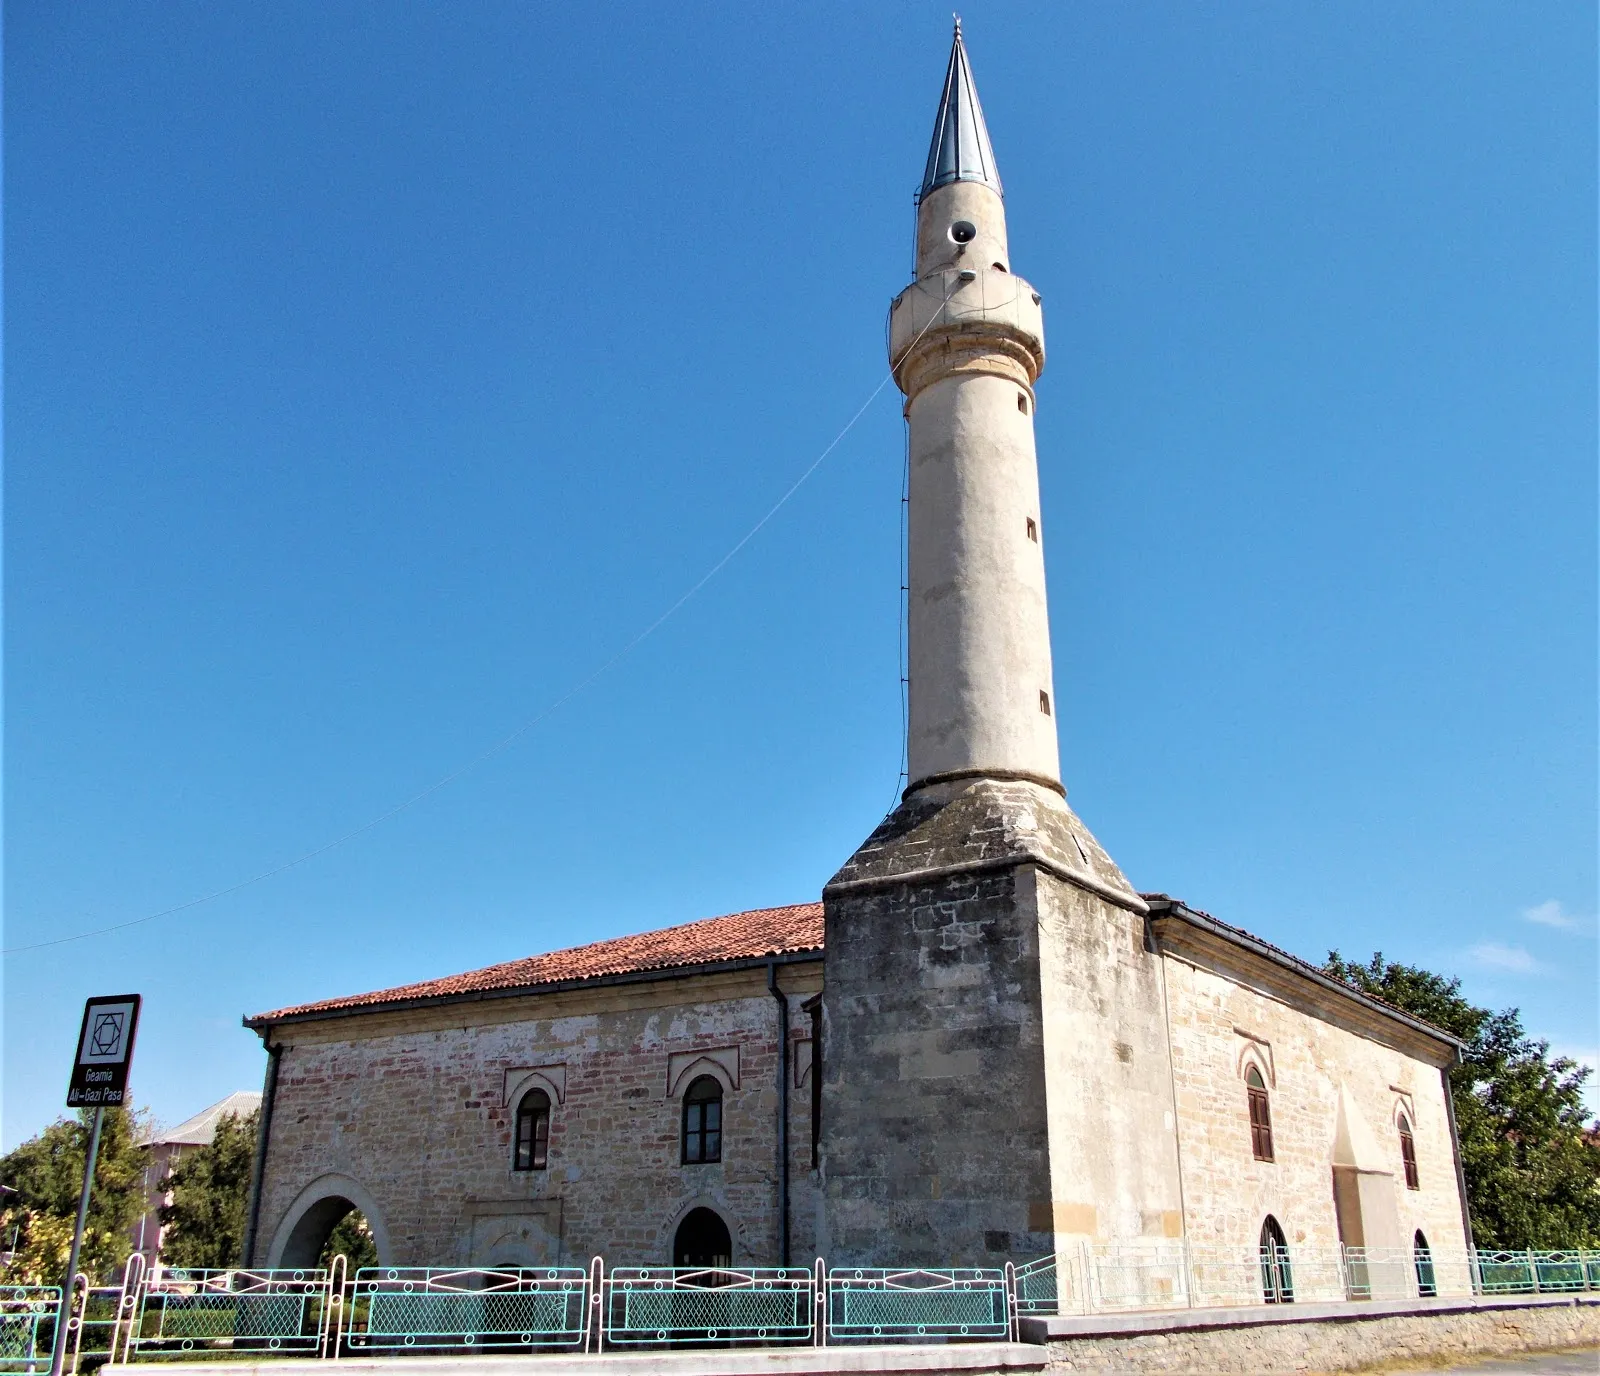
352	1236
47	1173
204	1224
1532	1171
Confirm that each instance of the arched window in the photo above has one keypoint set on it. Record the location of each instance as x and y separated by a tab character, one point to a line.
1422	1256
702	1122
1408	1153
1260	1115
1277	1284
531	1141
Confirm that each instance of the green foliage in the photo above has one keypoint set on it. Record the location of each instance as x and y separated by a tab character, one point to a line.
1533	1175
204	1224
47	1173
351	1235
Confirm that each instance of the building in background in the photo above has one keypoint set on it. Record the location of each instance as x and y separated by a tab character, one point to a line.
167	1147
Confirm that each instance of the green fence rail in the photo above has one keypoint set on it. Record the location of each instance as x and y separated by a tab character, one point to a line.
694	1306
876	1304
1539	1272
27	1326
200	1312
411	1308
1035	1287
172	1314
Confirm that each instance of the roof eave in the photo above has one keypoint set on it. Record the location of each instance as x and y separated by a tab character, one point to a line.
1174	908
264	1022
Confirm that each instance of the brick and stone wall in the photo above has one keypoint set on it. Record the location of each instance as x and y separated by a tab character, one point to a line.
1225	1016
407	1114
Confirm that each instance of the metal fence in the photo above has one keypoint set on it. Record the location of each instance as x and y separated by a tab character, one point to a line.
169	1314
875	1305
181	1312
1095	1278
678	1306
403	1308
27	1325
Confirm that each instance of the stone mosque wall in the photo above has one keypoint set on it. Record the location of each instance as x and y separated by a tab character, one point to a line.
408	1114
1226	1016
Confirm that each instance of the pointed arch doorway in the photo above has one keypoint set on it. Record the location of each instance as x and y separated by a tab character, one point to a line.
702	1240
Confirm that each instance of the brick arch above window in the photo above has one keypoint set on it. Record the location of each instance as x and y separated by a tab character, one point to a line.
1253	1052
684	1067
552	1079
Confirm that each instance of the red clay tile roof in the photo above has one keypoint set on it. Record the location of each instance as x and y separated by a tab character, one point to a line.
739	936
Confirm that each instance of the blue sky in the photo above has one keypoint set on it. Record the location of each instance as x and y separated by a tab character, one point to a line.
374	373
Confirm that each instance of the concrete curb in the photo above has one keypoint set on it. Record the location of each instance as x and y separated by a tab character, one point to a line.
1062	1328
976	1359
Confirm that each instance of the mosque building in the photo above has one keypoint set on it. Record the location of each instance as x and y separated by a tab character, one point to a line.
982	1045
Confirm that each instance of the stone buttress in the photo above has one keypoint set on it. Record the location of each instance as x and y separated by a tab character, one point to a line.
995	1073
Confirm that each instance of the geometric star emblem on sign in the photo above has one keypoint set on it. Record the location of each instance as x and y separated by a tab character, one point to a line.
106	1036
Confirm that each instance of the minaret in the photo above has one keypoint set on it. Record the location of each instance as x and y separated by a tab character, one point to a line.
966	341
995	1076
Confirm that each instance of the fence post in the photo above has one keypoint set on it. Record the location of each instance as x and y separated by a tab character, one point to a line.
597	1289
127	1301
820	1311
1083	1269
1012	1323
333	1306
1188	1272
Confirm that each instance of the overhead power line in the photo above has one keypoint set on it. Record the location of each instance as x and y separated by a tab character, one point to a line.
506	741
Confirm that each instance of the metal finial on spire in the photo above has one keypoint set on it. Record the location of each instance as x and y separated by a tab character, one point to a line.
961	151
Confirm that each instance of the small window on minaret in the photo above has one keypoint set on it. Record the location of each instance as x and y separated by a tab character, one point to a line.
1033	530
1022	402
1044	702
999	267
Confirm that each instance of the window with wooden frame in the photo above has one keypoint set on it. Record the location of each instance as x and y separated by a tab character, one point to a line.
1260	1115
531	1139
1408	1153
702	1122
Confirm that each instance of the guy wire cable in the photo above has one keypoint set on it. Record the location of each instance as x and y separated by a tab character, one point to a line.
510	739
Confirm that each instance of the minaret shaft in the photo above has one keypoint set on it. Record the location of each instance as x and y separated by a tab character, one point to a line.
967	343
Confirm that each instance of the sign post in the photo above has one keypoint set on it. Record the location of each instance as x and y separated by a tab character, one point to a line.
99	1080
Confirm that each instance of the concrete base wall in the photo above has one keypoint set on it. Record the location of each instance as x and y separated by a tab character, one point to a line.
1318	1338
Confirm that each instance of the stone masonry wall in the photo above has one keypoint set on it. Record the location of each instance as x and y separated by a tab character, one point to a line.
1113	1150
412	1107
933	1099
1352	1342
1218	1020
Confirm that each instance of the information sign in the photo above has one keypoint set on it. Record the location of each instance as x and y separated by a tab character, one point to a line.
105	1049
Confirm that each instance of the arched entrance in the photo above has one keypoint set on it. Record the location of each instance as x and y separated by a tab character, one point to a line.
332	1214
1277	1282
332	1224
1422	1259
702	1240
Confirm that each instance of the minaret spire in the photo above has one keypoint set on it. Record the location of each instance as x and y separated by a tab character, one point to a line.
960	151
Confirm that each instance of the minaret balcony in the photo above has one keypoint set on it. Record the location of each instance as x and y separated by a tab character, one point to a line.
966	320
